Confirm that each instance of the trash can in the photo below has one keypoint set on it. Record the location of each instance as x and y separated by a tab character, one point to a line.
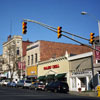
98	89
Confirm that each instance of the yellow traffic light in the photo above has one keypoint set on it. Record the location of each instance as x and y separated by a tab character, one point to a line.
24	26
59	31
91	38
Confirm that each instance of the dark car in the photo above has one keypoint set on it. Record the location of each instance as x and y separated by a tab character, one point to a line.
57	86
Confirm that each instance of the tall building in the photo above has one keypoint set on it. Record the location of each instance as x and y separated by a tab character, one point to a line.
14	52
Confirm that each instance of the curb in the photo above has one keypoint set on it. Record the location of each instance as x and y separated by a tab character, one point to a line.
91	94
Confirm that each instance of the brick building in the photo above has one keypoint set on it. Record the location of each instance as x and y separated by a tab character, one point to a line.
45	50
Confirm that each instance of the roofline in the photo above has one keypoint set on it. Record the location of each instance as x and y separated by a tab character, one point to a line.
80	56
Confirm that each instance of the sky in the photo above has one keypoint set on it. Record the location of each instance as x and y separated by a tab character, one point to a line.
64	13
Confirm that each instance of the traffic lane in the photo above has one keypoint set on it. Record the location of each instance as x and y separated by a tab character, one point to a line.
26	94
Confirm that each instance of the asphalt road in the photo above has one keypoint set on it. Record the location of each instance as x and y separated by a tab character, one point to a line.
7	93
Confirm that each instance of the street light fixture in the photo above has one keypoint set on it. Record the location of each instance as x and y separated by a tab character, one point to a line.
85	13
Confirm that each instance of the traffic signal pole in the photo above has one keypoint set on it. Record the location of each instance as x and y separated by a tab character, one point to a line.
55	30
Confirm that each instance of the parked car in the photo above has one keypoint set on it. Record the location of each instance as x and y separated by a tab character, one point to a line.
37	86
5	82
20	83
11	84
1	82
57	86
27	84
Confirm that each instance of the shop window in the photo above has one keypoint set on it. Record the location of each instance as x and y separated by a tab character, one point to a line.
73	82
83	82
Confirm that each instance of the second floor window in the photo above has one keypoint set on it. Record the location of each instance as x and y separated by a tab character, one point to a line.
36	59
17	50
28	60
32	59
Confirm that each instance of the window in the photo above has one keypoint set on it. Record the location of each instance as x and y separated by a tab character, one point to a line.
73	82
35	57
32	59
17	50
83	82
28	60
98	61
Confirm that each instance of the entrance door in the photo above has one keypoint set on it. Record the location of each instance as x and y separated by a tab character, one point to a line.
83	83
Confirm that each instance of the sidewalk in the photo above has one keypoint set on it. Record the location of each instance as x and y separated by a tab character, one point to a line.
85	93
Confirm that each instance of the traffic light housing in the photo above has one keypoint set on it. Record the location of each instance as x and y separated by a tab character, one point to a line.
59	31
24	26
91	38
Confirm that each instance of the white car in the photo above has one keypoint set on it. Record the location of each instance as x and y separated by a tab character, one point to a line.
5	82
27	84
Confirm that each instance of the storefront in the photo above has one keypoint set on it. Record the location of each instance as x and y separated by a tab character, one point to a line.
81	81
32	73
81	72
54	69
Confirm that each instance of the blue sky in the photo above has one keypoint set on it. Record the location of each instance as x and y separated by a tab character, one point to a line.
65	13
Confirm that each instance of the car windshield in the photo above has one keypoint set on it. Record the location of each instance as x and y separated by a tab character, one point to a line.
22	81
28	81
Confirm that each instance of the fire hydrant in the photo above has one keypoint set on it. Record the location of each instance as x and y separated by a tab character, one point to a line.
98	89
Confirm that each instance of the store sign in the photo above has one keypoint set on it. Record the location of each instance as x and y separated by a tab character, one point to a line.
84	73
97	53
51	67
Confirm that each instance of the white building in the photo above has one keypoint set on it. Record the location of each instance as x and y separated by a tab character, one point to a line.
12	51
81	71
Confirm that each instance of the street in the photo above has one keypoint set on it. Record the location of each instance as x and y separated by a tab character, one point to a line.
7	93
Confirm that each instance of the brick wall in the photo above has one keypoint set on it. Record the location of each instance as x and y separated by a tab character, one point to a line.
54	49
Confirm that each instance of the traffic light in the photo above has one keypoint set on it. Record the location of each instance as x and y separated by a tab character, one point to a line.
91	38
59	31
24	26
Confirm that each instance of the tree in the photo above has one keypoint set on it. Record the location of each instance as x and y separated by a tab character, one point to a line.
11	59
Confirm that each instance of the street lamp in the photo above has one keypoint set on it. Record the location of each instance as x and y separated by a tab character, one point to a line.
85	13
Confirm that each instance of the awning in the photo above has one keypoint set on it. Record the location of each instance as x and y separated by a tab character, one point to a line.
59	76
50	77
41	78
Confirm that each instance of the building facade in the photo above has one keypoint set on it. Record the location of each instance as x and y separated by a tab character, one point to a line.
96	60
14	57
81	72
54	69
41	51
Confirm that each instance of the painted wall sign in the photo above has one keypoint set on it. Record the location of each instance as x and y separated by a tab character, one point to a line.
51	67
